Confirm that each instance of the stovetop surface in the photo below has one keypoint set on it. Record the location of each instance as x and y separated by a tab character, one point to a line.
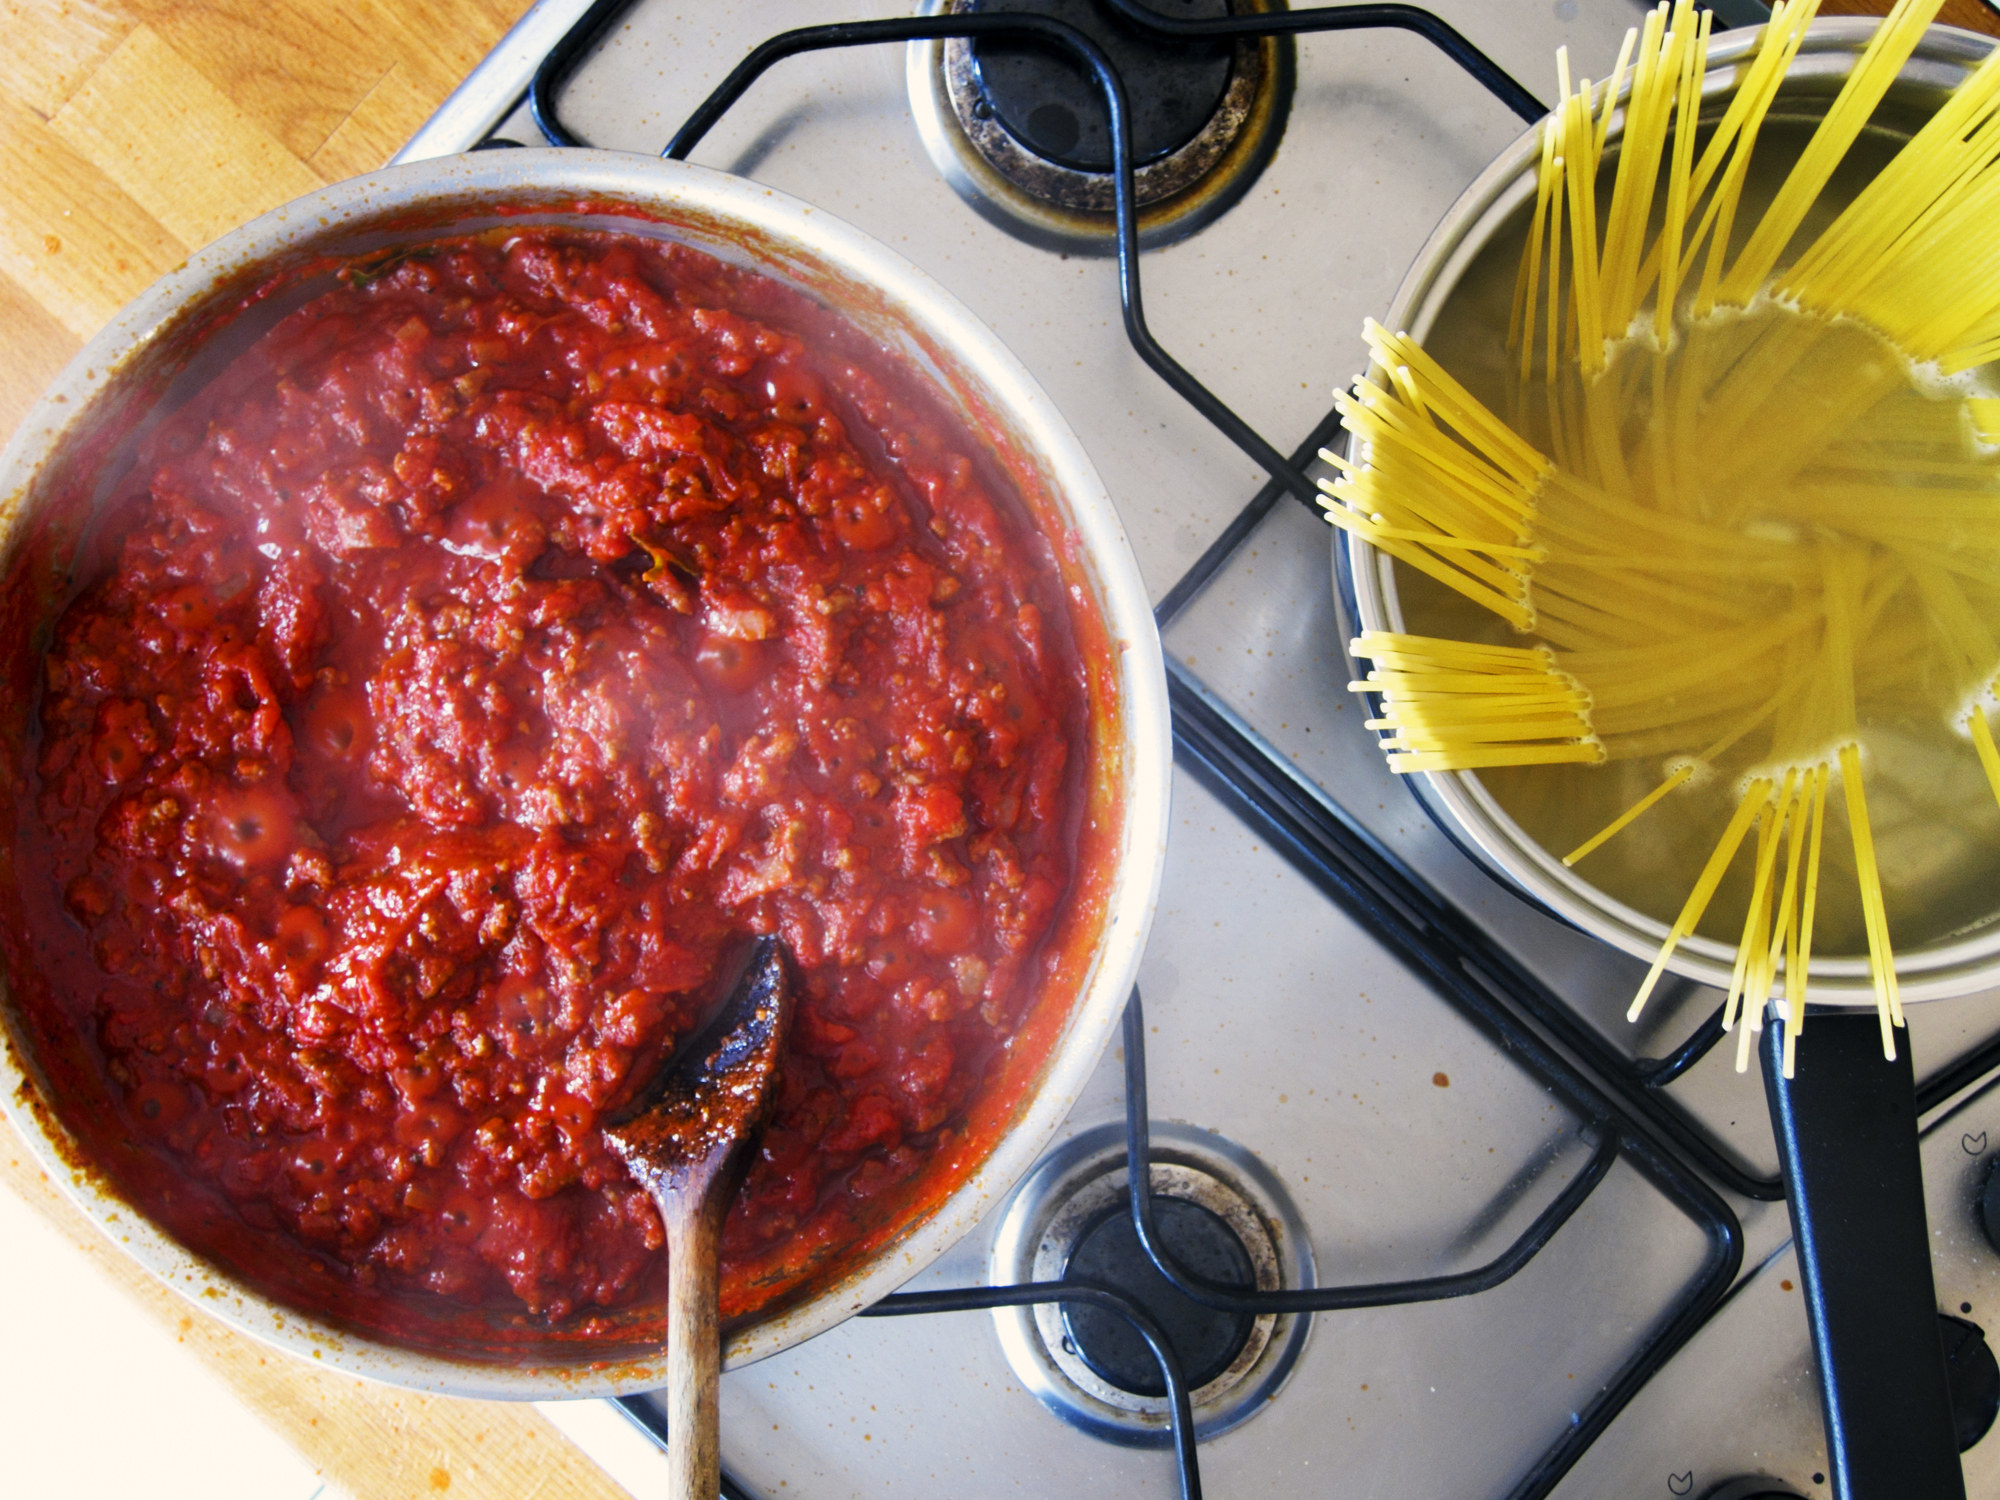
1276	1020
1274	1016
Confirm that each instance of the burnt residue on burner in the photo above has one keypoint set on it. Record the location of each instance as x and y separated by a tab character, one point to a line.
1021	130
1049	103
1220	1213
1109	1254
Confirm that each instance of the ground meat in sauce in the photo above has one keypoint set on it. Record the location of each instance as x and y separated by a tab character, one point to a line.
491	650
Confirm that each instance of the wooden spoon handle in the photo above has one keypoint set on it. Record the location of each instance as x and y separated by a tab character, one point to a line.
694	1345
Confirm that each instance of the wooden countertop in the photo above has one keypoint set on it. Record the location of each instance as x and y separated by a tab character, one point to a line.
134	131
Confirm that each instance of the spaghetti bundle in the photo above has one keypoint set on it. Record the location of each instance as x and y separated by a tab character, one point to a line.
1745	496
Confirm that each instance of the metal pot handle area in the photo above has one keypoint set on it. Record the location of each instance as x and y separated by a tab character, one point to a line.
1847	1137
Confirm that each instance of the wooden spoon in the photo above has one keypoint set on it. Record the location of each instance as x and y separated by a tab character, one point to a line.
685	1142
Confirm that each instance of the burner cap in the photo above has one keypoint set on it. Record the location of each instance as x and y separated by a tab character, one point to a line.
1973	1376
1220	1212
1020	131
1110	1254
1050	102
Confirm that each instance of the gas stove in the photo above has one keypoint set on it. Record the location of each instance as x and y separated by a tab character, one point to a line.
1481	1238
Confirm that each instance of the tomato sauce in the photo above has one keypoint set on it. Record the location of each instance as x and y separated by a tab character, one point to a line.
465	676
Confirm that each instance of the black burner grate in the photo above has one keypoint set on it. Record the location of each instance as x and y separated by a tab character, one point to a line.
1317	838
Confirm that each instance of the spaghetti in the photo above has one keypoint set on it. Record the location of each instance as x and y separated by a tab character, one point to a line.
1745	498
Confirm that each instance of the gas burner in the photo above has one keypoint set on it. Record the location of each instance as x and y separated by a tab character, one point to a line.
1022	134
1220	1213
1109	1253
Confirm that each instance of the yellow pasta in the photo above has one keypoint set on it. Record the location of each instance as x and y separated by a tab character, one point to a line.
1746	493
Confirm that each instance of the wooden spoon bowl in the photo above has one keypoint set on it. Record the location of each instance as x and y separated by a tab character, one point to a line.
687	1142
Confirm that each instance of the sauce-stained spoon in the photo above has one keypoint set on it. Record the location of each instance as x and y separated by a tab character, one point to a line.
687	1144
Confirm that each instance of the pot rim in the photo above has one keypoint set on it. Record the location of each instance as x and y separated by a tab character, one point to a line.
783	230
1365	583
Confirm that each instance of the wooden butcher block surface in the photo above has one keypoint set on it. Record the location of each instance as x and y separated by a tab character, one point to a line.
135	131
131	133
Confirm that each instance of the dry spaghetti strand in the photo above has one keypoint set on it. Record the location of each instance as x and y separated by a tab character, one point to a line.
1798	974
1747	812
1881	961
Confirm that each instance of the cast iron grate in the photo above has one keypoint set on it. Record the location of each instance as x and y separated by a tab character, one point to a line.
1640	1081
1331	850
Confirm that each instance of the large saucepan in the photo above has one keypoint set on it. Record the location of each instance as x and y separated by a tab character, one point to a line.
60	466
1846	1124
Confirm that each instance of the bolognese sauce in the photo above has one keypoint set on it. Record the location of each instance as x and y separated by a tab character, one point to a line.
469	670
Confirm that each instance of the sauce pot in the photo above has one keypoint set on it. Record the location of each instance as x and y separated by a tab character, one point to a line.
60	470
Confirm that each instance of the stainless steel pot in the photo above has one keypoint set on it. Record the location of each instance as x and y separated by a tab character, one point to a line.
1846	1125
1494	206
58	471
